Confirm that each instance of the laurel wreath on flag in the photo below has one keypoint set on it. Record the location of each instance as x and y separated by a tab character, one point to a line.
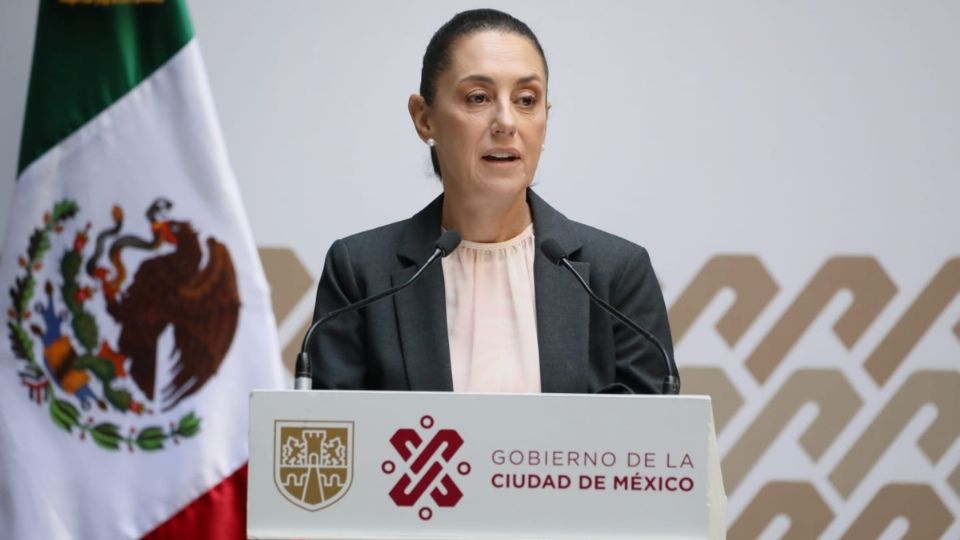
63	412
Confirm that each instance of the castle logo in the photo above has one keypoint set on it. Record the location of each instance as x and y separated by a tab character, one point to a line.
313	462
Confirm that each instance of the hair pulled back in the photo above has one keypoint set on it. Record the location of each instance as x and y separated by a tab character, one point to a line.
438	54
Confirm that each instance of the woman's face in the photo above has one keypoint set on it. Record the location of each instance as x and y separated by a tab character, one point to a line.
489	115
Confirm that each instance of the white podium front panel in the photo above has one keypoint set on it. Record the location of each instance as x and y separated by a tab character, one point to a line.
443	465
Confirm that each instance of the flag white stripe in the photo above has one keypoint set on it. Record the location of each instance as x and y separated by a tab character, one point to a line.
161	139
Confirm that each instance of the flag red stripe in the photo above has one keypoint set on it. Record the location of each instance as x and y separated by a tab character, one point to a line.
218	514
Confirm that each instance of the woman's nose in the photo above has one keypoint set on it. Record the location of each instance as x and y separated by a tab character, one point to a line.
504	122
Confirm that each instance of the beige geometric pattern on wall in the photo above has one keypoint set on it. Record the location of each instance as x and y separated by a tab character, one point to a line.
289	282
850	444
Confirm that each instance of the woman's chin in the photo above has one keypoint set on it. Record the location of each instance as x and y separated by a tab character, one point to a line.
503	185
484	184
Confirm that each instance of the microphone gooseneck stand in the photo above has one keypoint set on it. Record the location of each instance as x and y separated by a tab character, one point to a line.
556	255
303	373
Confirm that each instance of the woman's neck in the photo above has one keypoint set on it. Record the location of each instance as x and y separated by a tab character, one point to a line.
481	221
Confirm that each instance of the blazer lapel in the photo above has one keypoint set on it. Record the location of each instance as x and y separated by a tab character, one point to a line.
563	307
421	309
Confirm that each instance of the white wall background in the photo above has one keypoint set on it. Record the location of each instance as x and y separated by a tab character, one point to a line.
794	127
796	131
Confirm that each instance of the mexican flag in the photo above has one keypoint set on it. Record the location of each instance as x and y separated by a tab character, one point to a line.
137	314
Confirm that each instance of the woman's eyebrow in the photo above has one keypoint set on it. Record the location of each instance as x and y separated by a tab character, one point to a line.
489	80
478	78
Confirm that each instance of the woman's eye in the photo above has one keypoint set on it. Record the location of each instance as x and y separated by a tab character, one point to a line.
527	101
477	99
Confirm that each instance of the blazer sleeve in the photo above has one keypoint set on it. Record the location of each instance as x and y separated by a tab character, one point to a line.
337	349
637	294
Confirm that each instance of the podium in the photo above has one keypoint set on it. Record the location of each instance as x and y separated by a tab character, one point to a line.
379	465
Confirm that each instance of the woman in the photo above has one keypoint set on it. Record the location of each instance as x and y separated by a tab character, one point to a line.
496	315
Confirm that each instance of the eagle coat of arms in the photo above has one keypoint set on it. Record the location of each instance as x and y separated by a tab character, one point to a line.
87	333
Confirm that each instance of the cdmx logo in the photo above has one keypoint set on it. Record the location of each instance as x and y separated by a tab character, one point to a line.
427	463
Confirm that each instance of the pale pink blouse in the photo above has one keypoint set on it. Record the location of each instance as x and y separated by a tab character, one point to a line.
491	316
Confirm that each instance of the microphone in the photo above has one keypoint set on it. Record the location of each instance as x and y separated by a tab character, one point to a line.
445	245
556	255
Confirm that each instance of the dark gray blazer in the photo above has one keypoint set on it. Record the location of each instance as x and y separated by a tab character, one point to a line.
401	343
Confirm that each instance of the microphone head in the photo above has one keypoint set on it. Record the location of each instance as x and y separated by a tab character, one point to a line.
552	250
448	242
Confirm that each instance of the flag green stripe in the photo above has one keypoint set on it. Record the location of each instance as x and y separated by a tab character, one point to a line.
86	57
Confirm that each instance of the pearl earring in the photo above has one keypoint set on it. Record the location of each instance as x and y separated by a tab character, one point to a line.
543	147
431	143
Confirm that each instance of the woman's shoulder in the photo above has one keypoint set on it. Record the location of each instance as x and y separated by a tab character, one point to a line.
372	250
578	236
413	234
610	255
377	238
601	241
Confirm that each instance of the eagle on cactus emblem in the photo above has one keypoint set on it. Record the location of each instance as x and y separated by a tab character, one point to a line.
61	336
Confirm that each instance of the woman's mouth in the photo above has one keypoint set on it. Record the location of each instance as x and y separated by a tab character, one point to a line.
501	156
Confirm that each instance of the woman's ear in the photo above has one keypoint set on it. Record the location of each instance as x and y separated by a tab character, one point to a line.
420	115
